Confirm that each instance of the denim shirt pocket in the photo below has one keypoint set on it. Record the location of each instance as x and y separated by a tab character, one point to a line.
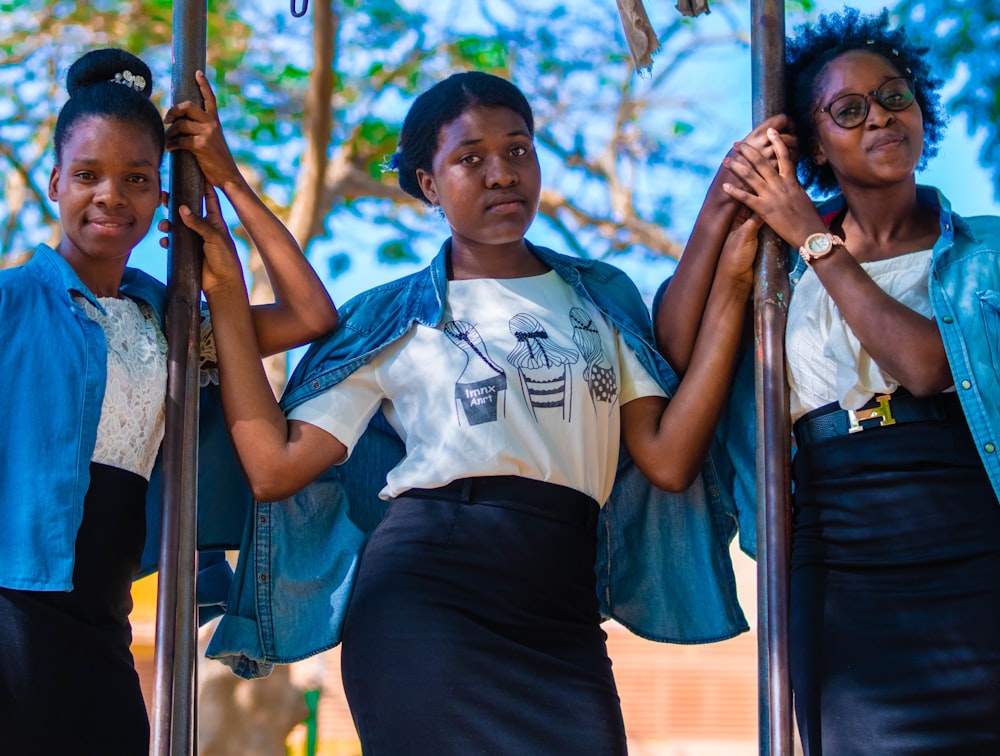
989	305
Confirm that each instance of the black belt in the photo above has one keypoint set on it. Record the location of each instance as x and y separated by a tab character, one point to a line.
536	497
830	421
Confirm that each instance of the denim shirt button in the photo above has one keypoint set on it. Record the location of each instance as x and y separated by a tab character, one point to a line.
262	577
948	319
262	519
966	384
316	384
990	448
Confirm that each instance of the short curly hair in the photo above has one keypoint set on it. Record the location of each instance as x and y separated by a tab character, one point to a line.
815	45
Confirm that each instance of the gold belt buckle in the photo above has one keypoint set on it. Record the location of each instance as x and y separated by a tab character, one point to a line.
881	411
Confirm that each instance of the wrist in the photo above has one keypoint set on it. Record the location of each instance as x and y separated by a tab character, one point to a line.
819	245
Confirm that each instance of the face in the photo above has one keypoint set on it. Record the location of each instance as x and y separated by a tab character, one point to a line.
485	177
107	185
886	147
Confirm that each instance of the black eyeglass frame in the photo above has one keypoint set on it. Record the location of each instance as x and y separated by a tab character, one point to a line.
866	97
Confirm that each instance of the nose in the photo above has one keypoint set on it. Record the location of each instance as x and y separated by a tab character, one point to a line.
500	172
109	194
878	114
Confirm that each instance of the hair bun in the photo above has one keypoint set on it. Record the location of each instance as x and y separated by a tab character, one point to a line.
109	65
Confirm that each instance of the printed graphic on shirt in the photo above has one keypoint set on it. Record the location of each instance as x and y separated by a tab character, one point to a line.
480	391
542	366
599	373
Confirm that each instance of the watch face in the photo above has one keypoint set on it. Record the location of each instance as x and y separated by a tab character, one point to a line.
819	245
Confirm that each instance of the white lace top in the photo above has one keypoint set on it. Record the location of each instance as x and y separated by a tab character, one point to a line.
826	362
132	415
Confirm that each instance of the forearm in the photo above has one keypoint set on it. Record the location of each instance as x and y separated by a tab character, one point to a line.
303	310
257	425
683	432
904	343
680	312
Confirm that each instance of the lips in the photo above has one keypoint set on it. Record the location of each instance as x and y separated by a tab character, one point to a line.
109	224
505	203
883	141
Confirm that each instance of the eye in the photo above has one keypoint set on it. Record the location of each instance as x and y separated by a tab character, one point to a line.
519	151
470	159
847	108
138	179
85	175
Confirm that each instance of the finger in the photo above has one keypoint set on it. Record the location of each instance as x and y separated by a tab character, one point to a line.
211	103
785	166
187	109
738	193
212	204
163	226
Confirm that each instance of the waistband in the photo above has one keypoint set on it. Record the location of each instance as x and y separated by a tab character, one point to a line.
900	407
535	497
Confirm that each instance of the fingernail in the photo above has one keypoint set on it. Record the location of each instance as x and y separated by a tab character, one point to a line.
725	161
772	132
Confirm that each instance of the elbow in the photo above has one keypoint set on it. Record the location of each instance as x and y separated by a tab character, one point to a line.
323	323
674	481
929	382
267	487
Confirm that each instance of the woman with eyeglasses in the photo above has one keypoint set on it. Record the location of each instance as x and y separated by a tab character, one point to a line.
893	350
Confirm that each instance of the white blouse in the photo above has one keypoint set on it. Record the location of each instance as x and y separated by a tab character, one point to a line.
826	362
133	412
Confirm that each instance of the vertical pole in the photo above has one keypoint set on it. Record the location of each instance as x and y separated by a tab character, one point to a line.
773	427
173	726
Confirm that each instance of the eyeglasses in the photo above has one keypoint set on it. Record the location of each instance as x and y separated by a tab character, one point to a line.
851	110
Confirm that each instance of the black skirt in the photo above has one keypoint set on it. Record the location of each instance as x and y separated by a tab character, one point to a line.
895	593
68	683
474	626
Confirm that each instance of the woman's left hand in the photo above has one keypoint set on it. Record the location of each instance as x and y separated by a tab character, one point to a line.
740	250
198	130
774	193
222	265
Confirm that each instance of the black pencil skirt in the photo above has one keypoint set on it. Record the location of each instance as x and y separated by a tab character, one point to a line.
474	626
895	594
68	683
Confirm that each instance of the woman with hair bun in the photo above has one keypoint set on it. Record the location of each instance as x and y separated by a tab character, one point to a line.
892	356
83	378
487	396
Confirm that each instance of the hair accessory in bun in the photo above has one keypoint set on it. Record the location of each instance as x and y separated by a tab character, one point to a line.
133	81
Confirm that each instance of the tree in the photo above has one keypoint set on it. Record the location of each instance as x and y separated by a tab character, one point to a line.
312	109
962	36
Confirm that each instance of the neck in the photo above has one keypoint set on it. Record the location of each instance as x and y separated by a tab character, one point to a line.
884	222
102	277
492	261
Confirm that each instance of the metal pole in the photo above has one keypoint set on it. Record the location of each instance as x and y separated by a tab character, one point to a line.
176	616
773	428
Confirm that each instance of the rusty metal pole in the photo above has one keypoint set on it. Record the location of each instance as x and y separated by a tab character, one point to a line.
173	724
771	293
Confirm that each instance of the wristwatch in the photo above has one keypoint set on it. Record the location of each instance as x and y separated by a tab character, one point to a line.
819	245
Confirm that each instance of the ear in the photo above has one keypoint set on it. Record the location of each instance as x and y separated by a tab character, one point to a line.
54	184
425	180
818	154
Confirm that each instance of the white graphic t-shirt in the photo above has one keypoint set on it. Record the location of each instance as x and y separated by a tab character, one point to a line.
523	377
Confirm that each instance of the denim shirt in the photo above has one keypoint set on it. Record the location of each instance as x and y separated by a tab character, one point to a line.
964	289
663	566
53	389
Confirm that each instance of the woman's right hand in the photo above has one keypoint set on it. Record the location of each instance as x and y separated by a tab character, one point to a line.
771	188
198	130
759	141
